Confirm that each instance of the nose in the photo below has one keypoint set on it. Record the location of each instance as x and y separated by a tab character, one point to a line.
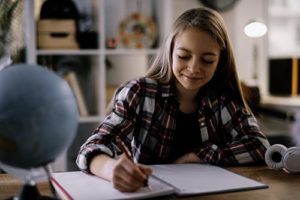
194	66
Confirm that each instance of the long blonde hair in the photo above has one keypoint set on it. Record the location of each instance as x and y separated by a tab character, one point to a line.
225	78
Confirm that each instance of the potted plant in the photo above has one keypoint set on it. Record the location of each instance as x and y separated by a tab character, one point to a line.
7	10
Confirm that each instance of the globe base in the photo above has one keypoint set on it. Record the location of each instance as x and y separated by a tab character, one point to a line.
31	192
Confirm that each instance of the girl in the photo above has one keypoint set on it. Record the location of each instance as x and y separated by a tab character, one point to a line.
188	108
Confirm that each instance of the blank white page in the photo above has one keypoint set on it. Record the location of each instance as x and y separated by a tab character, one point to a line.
80	186
191	179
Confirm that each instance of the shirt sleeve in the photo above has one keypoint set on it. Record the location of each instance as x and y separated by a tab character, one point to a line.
242	140
119	122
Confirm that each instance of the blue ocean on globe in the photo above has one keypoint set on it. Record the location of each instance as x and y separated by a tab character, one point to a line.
38	116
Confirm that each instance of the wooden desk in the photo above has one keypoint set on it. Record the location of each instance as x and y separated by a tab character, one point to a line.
11	186
282	186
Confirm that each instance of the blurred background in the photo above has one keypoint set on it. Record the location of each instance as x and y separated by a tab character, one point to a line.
96	45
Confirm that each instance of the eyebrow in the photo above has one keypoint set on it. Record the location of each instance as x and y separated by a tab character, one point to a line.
206	53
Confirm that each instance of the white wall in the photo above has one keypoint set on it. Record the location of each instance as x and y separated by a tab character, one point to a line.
125	68
244	12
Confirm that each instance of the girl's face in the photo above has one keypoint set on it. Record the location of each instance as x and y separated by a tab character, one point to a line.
195	58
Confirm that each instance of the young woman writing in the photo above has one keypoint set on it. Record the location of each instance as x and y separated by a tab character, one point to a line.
188	108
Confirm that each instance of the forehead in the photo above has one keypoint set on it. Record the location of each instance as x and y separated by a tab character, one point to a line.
196	40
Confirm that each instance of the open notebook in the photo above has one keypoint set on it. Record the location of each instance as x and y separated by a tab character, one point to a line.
177	179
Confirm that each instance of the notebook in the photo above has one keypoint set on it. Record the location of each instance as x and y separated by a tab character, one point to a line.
173	179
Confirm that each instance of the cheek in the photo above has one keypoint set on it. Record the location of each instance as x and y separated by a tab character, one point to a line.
177	65
212	73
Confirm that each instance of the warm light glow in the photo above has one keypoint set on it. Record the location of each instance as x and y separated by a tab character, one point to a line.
255	29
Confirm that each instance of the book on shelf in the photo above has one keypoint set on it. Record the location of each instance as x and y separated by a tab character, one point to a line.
72	80
172	179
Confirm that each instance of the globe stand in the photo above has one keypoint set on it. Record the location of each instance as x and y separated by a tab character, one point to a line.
30	191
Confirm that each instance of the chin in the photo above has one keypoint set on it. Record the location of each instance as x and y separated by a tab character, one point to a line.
191	87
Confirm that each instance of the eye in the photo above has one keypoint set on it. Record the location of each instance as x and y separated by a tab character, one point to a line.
183	57
205	61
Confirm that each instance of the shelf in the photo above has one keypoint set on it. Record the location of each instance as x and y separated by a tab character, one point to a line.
131	51
284	102
91	65
97	52
68	52
284	53
284	13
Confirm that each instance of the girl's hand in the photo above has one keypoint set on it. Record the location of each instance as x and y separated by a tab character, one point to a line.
188	158
128	176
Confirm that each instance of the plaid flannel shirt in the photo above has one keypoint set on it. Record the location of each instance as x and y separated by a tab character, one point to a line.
143	116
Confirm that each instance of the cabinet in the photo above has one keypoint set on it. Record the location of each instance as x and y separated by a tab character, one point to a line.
99	68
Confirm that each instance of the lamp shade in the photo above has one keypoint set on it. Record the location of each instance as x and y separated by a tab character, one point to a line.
255	29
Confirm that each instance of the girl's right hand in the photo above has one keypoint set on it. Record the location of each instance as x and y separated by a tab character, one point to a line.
128	176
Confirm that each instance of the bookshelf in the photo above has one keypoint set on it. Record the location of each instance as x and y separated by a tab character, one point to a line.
99	70
102	69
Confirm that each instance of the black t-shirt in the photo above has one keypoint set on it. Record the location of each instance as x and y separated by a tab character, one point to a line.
187	135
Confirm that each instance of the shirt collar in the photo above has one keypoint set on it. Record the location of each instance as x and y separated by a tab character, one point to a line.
205	96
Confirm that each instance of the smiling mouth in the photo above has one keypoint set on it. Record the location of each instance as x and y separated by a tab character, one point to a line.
192	77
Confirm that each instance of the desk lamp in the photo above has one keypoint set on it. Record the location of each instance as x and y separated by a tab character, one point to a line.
255	29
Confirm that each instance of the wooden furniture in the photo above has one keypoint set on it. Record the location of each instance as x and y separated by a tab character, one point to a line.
97	63
11	186
282	186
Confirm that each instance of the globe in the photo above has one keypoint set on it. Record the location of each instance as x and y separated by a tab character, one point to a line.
38	116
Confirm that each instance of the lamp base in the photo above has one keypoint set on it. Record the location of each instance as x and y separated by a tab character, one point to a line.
30	192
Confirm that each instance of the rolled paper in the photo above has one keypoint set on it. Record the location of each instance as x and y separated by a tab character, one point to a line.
274	156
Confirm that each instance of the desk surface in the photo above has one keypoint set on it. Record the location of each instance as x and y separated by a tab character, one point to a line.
288	103
282	186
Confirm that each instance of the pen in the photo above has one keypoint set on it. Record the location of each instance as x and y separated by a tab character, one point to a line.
123	148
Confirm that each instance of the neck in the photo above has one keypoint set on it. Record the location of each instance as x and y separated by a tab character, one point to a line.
186	95
187	100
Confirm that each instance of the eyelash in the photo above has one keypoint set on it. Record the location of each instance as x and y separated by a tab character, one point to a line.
207	62
183	57
203	60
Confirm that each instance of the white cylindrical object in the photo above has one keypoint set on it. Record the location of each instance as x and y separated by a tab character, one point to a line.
274	156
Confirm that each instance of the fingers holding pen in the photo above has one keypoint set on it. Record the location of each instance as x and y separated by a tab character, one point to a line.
128	176
145	169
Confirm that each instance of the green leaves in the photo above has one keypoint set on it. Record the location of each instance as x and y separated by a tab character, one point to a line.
7	8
